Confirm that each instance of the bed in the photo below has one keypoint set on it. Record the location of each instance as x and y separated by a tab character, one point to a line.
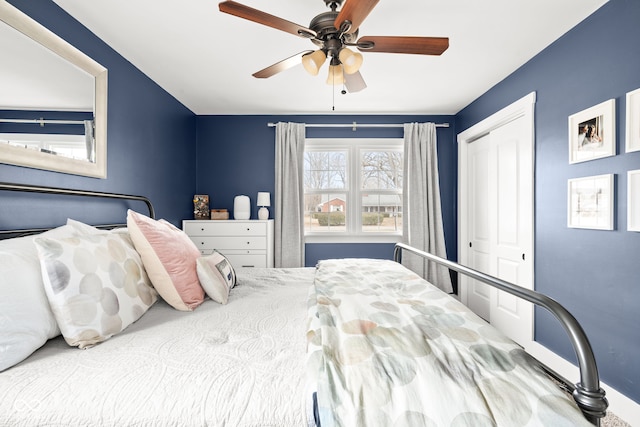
350	342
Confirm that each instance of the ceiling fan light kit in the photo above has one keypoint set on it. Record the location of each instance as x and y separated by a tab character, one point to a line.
350	59
313	61
335	76
333	31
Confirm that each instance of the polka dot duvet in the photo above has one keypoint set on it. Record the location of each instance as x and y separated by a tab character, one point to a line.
390	349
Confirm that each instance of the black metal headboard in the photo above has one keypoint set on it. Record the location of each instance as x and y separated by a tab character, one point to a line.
5	186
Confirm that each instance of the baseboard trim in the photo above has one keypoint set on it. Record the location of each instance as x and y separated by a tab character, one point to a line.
619	404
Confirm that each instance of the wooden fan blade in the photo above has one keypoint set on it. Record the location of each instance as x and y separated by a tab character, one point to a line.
354	11
354	82
255	15
414	45
285	64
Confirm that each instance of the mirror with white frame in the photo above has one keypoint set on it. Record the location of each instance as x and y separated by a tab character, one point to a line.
53	100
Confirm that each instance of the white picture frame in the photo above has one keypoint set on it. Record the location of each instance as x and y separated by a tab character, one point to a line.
633	200
632	135
592	133
590	202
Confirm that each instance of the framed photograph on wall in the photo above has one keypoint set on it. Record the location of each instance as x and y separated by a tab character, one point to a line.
590	202
592	133
633	200
632	136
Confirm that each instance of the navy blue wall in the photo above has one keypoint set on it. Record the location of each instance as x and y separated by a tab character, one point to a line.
236	155
151	141
594	273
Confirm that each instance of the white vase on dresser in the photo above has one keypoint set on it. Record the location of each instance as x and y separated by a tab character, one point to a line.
246	243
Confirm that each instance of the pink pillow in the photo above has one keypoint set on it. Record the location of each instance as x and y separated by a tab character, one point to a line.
169	257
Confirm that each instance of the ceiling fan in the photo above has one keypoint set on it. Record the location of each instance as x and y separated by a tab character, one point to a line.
334	33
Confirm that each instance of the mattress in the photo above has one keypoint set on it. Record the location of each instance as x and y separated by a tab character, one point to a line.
239	364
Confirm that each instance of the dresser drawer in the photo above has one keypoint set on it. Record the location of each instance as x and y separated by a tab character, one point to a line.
226	228
242	259
230	242
225	252
247	260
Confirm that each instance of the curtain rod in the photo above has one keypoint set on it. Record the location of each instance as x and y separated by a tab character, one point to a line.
355	125
42	122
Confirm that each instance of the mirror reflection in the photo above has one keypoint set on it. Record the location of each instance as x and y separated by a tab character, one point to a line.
52	100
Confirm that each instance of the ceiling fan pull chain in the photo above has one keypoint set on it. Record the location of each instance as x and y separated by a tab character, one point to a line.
333	97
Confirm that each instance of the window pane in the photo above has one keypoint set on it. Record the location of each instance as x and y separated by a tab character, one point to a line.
325	212
381	213
381	170
324	170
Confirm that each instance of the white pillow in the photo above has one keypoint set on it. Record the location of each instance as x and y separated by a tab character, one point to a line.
96	285
216	275
26	320
81	227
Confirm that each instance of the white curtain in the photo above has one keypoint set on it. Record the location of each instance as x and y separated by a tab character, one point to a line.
289	225
89	140
422	224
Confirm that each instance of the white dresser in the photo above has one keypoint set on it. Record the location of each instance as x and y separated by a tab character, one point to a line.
245	243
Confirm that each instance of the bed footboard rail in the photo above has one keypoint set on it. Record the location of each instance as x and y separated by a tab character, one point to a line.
588	395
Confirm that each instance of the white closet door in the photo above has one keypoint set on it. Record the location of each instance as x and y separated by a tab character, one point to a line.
511	211
496	215
479	246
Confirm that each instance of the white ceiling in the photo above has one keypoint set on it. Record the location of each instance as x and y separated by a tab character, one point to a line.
205	58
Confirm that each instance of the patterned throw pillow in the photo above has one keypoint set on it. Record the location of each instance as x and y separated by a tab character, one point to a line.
217	276
169	256
96	285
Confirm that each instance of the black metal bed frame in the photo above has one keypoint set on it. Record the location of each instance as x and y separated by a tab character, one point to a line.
587	393
5	186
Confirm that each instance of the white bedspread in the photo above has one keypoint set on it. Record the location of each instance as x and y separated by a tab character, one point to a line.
240	364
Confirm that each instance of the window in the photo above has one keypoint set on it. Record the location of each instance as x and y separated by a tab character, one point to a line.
72	146
353	189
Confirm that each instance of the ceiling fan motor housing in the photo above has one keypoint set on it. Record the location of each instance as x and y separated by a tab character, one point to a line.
328	36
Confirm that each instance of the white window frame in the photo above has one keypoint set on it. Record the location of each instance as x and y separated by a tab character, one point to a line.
353	147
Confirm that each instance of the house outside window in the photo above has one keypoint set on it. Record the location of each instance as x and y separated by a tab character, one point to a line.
353	190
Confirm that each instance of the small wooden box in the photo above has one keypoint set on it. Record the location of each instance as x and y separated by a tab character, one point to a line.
219	214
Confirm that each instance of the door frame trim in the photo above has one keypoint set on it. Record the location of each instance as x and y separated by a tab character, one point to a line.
524	107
